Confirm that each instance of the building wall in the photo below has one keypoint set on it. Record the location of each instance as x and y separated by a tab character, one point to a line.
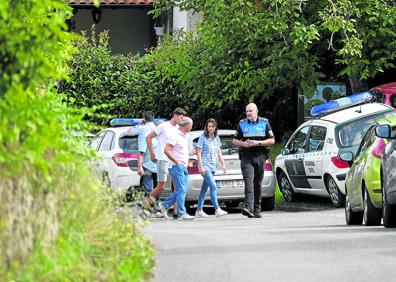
185	20
130	30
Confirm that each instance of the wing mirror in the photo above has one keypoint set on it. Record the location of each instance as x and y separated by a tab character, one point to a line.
383	131
285	151
347	157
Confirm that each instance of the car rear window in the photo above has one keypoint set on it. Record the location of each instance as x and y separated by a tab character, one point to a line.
350	134
129	144
227	148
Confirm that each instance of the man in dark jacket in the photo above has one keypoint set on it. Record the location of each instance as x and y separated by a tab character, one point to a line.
253	137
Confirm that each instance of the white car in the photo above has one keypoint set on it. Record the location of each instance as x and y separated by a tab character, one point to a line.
117	163
310	162
230	186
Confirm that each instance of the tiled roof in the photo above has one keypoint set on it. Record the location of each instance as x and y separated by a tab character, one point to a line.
112	2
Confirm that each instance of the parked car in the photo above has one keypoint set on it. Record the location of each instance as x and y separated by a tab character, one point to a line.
117	162
385	93
388	172
230	186
363	190
85	137
310	162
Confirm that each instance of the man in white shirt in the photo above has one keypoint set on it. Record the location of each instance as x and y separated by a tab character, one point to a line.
163	132
177	151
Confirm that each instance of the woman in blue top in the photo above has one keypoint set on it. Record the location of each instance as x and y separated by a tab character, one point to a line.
208	153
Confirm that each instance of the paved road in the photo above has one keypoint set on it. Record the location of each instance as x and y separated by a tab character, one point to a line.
282	246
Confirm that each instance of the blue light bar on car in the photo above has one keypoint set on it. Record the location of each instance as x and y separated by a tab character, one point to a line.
125	121
354	99
159	120
131	121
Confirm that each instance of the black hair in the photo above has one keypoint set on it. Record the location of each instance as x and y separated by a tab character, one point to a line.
148	116
179	112
211	120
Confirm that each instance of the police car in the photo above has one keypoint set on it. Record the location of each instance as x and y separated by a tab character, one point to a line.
116	166
310	162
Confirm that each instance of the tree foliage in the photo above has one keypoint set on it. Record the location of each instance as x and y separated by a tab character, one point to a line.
363	35
278	42
242	52
266	51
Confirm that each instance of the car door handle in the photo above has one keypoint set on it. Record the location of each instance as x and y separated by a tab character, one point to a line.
300	160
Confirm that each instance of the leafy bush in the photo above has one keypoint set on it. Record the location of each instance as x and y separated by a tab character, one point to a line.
54	223
151	82
121	86
99	79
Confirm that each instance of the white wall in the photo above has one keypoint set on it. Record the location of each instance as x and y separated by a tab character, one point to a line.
130	30
179	19
185	20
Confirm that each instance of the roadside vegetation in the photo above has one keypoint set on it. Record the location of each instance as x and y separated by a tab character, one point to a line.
56	221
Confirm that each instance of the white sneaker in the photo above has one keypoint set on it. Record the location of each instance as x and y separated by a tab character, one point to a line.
220	212
163	210
200	213
158	214
186	216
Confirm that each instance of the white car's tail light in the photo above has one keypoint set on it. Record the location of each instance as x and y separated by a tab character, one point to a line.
267	165
339	163
126	160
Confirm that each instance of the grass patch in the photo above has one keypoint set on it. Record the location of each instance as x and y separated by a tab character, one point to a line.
94	244
275	150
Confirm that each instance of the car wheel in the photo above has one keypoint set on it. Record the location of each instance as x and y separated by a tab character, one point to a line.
286	188
388	212
351	217
268	203
371	215
336	197
129	195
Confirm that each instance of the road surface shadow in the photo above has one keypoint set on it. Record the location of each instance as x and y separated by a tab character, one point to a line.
304	203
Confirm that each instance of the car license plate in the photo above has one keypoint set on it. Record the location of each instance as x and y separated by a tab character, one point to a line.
230	184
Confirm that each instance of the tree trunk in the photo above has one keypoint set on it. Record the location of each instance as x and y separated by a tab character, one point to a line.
357	85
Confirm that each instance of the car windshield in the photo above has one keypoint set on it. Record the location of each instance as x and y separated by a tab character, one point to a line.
350	134
129	144
227	148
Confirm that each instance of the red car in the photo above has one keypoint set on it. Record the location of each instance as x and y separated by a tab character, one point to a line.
385	93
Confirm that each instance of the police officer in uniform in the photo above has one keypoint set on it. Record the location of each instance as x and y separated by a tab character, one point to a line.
253	136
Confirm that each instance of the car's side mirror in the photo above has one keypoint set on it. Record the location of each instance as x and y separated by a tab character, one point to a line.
383	131
347	157
285	151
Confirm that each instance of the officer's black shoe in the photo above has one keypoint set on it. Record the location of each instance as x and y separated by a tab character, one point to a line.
257	215
247	212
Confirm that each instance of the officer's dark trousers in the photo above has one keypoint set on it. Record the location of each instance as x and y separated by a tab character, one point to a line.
253	173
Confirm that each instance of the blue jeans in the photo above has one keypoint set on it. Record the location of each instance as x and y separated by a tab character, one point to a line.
148	180
210	182
179	174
